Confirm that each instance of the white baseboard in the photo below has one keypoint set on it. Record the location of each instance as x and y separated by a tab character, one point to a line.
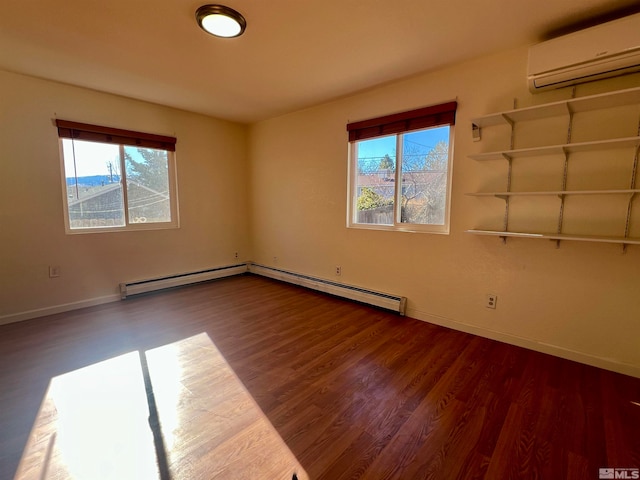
181	279
65	307
388	301
555	350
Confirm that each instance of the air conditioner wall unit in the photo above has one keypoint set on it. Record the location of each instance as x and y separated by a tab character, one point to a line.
603	51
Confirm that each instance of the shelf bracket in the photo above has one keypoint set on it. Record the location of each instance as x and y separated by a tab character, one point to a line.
634	172
512	124
570	111
628	221
565	171
506	216
476	132
570	124
506	197
560	218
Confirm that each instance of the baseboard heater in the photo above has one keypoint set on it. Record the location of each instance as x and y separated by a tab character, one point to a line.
383	300
153	284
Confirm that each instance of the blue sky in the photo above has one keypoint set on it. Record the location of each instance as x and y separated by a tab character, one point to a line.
93	158
420	141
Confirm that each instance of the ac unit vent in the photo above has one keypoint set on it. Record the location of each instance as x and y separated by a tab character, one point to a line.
603	51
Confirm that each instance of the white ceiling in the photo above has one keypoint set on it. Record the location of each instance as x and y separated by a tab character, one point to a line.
294	53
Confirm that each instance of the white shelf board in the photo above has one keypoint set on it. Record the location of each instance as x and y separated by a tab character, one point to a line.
576	105
559	236
560	149
554	192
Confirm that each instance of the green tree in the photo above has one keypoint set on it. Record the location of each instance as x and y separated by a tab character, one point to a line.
387	163
369	199
152	170
424	181
438	157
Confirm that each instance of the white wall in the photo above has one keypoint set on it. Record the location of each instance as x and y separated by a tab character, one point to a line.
212	185
581	301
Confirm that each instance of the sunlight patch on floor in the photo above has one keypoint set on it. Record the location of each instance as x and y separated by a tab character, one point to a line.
212	426
94	422
93	425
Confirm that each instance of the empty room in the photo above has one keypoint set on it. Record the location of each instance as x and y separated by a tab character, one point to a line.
320	240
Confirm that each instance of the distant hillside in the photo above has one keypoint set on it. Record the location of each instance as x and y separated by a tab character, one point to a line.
93	180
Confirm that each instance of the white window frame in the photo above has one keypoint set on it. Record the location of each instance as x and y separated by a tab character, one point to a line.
397	225
128	225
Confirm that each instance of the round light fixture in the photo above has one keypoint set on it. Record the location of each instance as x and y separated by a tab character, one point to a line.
220	21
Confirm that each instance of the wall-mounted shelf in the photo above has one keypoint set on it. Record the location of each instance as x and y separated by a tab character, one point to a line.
564	107
559	236
568	148
558	193
565	151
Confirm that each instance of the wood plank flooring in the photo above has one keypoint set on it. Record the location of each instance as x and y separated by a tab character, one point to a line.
252	378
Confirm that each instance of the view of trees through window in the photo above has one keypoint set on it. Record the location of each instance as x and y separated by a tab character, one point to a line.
97	175
419	188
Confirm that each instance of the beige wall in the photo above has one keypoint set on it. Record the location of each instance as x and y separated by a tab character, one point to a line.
276	193
212	184
581	301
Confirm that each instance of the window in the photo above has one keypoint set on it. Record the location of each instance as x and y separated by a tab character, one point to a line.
400	170
116	179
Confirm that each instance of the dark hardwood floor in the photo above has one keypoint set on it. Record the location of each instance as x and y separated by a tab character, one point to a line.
251	378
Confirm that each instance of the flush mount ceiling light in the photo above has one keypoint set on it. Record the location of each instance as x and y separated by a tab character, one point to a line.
220	21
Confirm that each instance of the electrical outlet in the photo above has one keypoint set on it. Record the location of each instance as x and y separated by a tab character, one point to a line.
236	255
54	271
491	300
338	270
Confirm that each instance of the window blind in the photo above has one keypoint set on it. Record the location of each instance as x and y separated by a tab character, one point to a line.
443	114
97	133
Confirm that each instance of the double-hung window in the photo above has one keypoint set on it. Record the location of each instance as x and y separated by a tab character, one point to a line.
116	179
400	170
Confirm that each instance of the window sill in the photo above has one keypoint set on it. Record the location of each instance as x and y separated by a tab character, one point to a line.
434	229
129	228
